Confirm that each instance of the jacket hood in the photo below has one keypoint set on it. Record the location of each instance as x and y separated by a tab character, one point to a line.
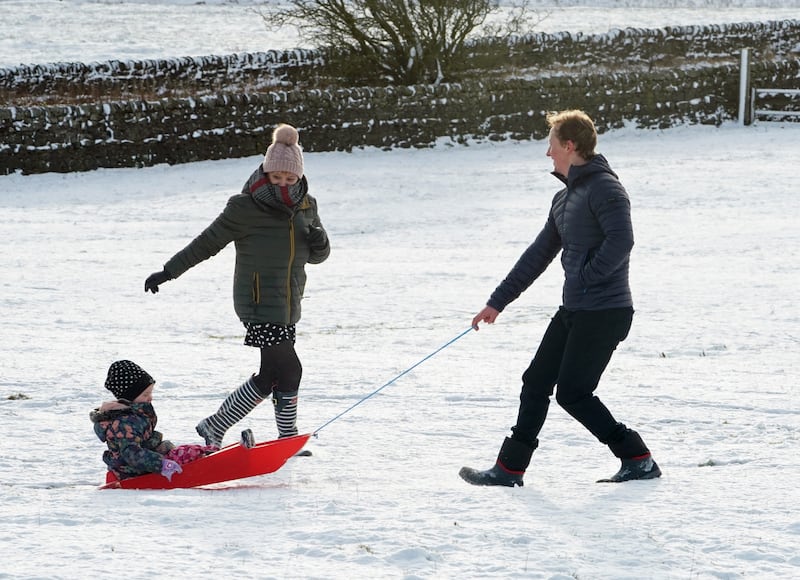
597	164
109	410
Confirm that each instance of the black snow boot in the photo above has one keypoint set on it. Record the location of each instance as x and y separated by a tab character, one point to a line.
642	467
625	443
512	461
637	462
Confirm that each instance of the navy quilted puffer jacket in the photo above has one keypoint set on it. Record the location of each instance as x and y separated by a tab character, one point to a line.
590	224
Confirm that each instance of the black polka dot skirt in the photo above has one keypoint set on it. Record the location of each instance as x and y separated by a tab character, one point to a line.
267	334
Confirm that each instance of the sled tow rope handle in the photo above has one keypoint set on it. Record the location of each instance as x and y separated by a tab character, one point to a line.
379	389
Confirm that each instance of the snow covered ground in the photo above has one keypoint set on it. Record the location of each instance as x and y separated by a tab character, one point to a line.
709	374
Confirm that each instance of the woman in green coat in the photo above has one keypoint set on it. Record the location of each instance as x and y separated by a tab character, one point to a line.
276	230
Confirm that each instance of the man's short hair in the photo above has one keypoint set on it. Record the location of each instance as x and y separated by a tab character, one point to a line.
576	126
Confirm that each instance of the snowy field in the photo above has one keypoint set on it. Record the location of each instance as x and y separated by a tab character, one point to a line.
709	374
43	31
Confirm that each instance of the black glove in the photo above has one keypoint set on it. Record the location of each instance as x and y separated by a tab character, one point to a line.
317	238
155	280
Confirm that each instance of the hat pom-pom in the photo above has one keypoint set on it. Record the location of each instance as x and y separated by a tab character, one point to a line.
285	134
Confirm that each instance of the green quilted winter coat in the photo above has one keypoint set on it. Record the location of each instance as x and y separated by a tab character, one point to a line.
272	250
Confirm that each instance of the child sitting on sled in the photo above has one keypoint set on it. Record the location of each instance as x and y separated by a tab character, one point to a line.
128	426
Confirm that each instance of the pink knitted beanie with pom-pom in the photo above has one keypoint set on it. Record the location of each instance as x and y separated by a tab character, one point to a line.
284	154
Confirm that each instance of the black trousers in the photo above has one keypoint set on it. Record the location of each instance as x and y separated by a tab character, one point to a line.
573	354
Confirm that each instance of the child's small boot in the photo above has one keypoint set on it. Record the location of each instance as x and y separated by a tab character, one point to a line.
233	409
508	470
248	440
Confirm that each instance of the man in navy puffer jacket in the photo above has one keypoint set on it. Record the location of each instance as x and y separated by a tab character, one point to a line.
590	224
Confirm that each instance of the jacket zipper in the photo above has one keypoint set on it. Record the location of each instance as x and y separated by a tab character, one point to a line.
256	288
289	271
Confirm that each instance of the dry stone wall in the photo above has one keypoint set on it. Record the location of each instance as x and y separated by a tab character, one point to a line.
148	132
648	48
198	74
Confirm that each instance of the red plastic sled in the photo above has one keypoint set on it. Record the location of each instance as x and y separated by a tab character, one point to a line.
231	462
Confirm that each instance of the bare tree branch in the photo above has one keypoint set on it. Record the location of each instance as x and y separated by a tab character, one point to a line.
408	41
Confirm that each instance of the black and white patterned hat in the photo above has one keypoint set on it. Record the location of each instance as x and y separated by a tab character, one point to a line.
127	380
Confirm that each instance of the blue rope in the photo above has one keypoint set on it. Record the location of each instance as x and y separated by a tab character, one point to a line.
378	390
